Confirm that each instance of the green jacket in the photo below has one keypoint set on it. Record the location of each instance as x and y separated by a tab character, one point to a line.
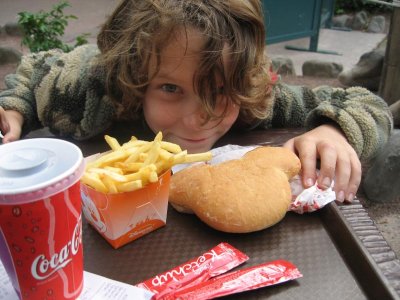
64	92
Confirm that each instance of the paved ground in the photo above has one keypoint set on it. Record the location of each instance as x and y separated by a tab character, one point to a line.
350	46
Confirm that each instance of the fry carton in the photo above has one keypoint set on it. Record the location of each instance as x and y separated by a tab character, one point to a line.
124	217
125	190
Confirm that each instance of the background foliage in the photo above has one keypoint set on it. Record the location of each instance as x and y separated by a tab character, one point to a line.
351	6
44	30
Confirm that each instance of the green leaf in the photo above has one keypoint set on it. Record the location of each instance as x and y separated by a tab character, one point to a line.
44	30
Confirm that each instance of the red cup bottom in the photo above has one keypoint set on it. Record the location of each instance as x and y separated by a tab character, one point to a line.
41	246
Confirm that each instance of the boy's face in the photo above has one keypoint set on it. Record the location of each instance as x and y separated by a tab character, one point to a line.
172	106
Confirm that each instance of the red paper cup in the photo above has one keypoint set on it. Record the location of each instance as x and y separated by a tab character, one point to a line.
40	218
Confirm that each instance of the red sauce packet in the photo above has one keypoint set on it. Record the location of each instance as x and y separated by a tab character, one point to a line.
267	274
216	261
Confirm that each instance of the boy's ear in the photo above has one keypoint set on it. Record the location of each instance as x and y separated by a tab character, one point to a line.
113	27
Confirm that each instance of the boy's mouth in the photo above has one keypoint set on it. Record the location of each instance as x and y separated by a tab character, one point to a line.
195	140
193	143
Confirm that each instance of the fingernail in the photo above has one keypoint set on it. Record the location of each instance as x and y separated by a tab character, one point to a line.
326	182
309	182
340	196
350	197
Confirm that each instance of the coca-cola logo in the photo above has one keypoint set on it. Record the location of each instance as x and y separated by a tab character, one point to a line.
43	267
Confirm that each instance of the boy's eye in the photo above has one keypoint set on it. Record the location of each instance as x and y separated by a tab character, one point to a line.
170	88
221	90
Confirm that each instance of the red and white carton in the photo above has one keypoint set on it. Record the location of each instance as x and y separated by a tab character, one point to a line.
124	217
40	218
121	218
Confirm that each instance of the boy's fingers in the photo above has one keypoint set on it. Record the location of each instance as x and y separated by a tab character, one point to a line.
355	178
308	158
10	125
9	138
308	172
4	126
343	174
2	120
290	145
328	156
10	135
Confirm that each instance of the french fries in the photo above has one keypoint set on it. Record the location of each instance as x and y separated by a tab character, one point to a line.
134	164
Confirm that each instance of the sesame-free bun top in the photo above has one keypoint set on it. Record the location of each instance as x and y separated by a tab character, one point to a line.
240	195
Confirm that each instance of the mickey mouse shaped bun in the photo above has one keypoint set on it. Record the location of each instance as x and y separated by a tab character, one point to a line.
240	195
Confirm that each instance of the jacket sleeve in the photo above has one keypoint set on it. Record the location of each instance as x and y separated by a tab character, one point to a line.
363	117
61	91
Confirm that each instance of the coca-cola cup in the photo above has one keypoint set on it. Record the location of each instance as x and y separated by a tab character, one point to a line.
40	218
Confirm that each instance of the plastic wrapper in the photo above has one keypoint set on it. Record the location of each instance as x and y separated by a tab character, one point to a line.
216	261
207	276
252	278
310	199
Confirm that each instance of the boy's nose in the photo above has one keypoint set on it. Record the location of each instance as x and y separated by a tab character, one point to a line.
196	119
194	115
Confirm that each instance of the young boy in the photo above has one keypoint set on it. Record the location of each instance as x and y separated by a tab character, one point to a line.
193	70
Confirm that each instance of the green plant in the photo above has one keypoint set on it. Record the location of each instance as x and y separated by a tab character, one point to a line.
44	30
351	6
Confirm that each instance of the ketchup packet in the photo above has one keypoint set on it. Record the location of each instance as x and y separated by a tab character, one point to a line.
216	261
252	278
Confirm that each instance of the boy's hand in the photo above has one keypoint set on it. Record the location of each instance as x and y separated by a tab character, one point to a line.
10	125
338	159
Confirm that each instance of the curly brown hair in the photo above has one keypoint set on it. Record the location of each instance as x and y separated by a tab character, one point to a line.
139	29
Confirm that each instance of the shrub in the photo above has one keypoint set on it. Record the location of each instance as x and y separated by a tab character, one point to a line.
44	30
351	6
